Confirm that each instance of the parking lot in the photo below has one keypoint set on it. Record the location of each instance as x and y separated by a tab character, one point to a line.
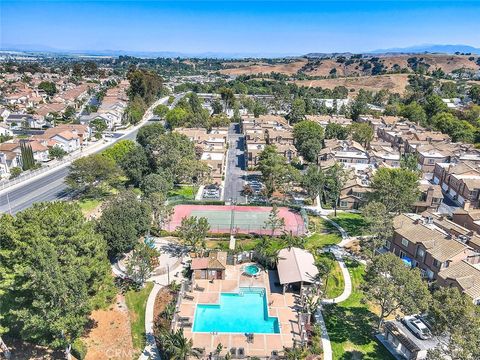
211	192
254	189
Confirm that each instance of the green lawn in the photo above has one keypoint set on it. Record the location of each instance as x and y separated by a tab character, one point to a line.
88	205
136	303
354	224
351	324
185	191
324	234
335	282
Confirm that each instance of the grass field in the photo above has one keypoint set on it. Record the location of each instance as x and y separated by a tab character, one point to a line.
185	191
136	303
354	224
351	324
324	234
88	205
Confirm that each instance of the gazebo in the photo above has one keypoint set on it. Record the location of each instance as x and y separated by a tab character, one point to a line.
296	266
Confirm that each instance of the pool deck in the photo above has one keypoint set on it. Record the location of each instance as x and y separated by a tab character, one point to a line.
282	306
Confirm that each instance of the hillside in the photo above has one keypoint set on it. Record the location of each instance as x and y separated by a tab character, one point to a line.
356	66
395	83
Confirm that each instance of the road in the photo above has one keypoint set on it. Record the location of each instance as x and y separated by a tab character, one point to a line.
236	172
51	186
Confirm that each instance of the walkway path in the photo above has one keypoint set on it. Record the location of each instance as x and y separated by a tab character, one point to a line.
338	252
151	351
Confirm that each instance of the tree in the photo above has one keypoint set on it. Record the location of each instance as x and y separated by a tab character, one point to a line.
119	150
434	105
124	219
336	131
271	165
99	125
135	165
49	87
409	162
313	181
56	270
392	286
28	161
161	111
156	183
56	152
474	94
456	324
227	96
362	133
308	137
274	222
193	231
459	130
297	111
146	134
415	113
176	117
141	263
335	178
161	211
168	150
217	106
89	171
177	346
379	227
397	189
15	172
359	105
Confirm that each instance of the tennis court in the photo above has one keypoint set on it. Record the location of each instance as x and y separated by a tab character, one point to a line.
238	219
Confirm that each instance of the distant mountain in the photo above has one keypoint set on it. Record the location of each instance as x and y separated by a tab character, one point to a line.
430	48
35	48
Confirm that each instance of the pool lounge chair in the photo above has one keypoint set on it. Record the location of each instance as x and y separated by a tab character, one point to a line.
198	288
185	324
183	318
240	353
188	297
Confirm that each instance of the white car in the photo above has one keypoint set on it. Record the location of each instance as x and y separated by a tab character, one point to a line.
417	327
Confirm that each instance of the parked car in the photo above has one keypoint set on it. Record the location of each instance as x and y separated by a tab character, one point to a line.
417	327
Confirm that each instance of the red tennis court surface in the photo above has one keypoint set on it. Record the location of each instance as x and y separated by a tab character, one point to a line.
245	219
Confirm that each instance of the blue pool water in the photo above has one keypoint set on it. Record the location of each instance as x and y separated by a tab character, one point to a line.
245	312
252	269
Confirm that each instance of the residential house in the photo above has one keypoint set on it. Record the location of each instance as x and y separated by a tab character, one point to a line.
344	151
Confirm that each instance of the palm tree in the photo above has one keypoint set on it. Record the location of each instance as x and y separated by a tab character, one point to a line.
177	346
293	241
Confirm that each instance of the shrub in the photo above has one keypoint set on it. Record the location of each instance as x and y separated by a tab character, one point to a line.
79	349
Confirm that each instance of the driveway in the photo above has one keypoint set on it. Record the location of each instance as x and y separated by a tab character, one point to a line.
236	171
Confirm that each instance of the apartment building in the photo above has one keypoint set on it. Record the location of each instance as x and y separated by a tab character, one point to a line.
420	243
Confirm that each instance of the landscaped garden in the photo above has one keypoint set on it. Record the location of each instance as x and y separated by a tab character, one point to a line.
351	324
353	223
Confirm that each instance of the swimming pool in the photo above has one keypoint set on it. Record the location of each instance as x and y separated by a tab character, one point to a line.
243	312
251	270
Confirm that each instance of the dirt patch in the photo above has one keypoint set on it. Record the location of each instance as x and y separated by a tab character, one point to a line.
110	336
250	68
164	296
395	83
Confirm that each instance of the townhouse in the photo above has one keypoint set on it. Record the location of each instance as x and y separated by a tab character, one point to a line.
267	130
213	146
431	197
420	243
348	152
459	181
464	276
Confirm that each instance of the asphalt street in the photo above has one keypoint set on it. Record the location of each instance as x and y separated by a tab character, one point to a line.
235	175
49	187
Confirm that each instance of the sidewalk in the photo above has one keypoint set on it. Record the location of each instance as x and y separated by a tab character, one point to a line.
337	251
93	148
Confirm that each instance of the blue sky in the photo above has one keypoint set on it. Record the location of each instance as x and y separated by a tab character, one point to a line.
283	27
